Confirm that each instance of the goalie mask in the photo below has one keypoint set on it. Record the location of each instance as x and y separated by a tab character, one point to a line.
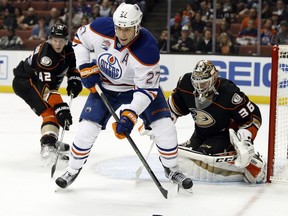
128	15
204	77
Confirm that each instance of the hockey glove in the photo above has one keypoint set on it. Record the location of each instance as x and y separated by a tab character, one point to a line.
243	146
63	115
74	86
90	75
128	118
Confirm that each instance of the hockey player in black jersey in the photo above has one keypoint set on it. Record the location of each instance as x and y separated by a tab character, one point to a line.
225	119
37	81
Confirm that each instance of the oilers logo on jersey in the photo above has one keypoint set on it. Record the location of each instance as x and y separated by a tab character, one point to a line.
110	65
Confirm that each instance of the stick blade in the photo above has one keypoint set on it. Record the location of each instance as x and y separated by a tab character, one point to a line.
53	170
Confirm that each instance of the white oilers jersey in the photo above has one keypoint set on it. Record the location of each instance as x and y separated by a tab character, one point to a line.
123	68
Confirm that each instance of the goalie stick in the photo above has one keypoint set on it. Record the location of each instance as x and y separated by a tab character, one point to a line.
219	158
132	143
53	168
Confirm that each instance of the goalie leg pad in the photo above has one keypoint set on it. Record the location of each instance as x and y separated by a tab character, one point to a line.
255	172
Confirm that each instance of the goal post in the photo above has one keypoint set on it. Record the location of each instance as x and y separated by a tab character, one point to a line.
277	162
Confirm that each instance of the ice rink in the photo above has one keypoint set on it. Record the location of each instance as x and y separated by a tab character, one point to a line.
107	185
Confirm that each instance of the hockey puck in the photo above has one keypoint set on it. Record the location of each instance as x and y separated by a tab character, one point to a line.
187	183
156	215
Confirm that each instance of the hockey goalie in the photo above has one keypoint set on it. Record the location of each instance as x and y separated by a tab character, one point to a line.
226	124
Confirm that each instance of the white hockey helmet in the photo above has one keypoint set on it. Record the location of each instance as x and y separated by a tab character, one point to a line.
204	77
128	15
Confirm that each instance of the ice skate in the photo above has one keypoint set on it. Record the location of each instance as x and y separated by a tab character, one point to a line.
48	149
179	178
67	178
62	147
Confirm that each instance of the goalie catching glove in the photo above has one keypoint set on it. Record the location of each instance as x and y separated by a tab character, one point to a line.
63	115
90	75
243	145
128	118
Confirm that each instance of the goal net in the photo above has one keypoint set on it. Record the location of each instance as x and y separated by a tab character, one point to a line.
277	164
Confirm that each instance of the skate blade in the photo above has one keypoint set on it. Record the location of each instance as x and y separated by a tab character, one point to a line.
173	192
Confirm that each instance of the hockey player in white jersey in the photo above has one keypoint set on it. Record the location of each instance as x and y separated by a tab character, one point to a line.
127	69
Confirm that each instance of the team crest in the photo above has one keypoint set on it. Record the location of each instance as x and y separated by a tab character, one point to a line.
110	65
202	119
46	61
236	99
105	45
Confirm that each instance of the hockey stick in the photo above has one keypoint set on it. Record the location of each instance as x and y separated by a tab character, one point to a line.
139	170
132	143
60	141
215	159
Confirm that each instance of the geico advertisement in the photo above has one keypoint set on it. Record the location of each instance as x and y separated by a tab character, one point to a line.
251	74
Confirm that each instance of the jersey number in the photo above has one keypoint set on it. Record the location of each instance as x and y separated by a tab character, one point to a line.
151	76
45	76
123	14
244	112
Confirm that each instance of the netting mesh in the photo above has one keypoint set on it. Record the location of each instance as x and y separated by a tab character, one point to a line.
280	169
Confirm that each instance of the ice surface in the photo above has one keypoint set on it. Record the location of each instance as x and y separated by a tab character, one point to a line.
106	185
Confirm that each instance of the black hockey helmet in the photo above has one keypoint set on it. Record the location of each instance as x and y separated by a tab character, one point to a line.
59	30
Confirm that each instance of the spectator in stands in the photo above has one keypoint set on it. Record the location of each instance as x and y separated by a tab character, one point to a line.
162	41
248	35
188	13
266	11
282	10
219	10
9	20
252	15
206	10
4	5
225	28
105	8
229	9
30	20
95	12
267	33
19	16
198	24
282	36
76	19
184	42
178	18
40	32
275	21
175	29
84	20
11	41
54	17
224	45
83	8
205	43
